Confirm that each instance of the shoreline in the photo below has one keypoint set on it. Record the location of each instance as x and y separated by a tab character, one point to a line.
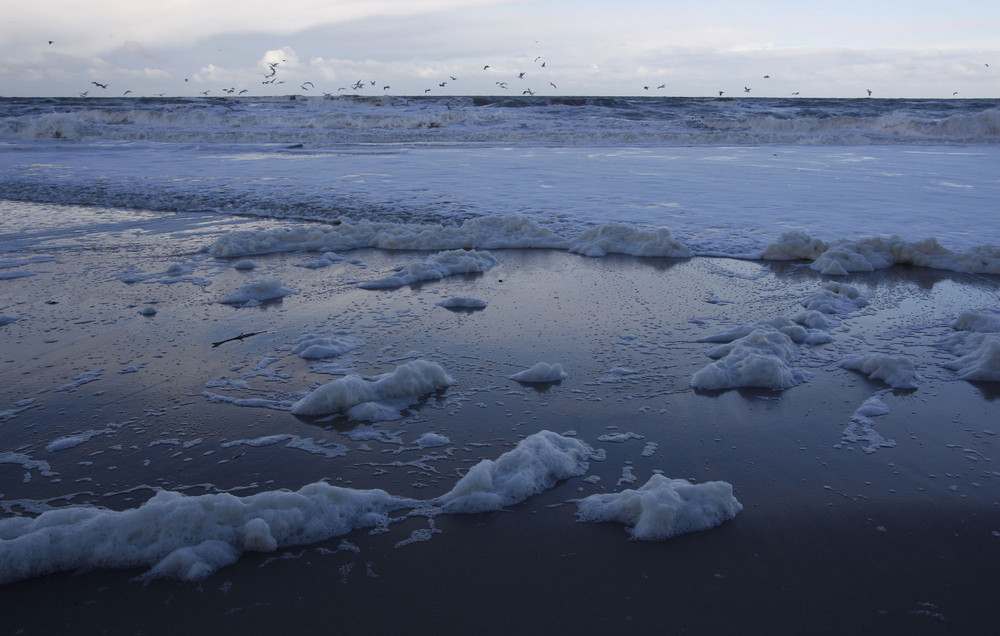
830	537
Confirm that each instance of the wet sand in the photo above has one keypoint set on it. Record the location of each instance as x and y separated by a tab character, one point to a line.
831	538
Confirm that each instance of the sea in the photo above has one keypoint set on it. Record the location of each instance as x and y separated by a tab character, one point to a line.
490	363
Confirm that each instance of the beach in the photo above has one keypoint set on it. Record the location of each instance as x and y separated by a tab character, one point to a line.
865	506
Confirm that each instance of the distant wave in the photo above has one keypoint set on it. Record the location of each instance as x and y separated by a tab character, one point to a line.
337	120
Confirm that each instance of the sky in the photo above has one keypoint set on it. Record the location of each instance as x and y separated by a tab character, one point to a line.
112	48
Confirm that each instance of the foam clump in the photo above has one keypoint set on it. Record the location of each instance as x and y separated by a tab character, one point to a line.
982	360
186	537
872	253
796	332
541	372
978	321
245	263
977	343
663	507
897	372
462	302
436	267
836	298
406	384
313	347
488	232
534	465
794	246
759	359
257	291
618	238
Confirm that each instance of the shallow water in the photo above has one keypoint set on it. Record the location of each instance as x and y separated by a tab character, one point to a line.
831	537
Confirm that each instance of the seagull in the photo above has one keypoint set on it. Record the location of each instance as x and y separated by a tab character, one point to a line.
99	85
955	93
127	92
720	93
84	93
453	78
520	75
442	84
746	90
767	77
661	86
553	85
309	84
427	90
486	67
528	92
385	88
243	91
795	93
869	92
50	42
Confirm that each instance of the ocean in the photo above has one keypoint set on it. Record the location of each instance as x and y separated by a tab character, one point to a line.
482	363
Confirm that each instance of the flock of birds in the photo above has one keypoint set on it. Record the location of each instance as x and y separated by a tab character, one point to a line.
271	78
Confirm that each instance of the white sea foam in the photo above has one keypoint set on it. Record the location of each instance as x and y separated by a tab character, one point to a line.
795	245
259	290
836	298
663	507
759	359
407	383
534	465
896	371
189	537
184	537
313	347
618	238
541	372
982	362
796	332
869	254
984	321
977	343
438	266
462	302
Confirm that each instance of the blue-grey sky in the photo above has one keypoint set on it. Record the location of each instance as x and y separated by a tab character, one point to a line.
564	47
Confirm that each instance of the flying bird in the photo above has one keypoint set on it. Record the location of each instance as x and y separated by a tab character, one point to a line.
528	92
746	90
720	93
309	84
520	75
99	85
486	67
553	85
869	92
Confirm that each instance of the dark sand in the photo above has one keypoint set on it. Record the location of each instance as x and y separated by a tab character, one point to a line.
831	540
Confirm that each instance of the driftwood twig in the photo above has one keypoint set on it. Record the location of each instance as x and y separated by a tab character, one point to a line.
239	337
